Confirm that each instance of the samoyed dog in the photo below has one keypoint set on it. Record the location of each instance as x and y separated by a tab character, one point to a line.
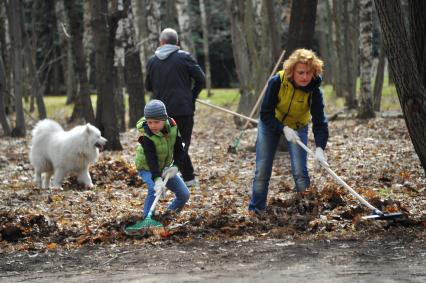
61	153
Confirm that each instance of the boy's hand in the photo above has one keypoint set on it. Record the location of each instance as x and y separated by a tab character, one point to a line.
170	172
159	186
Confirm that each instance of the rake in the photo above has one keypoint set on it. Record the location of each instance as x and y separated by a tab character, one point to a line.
148	222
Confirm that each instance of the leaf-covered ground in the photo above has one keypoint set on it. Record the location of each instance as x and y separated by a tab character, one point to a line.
374	157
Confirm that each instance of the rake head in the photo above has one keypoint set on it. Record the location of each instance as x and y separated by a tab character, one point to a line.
143	226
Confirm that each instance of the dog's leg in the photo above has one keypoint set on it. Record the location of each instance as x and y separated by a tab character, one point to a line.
46	178
84	178
38	180
58	177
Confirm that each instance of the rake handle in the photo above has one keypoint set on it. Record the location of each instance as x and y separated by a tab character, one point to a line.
157	198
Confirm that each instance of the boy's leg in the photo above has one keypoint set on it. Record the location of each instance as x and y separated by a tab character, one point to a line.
147	179
298	158
178	187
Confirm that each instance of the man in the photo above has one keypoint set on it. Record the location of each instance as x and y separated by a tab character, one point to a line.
176	79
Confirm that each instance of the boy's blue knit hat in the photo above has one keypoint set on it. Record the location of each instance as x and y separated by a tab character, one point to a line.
155	109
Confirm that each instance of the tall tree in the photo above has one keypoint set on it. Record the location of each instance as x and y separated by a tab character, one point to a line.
365	109
133	75
3	91
83	108
275	38
104	25
250	43
302	25
185	34
380	75
14	11
346	39
206	47
402	54
417	16
244	61
147	16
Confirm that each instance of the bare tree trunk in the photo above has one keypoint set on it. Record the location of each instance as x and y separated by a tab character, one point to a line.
16	36
206	48
380	74
104	27
119	97
133	75
71	82
184	19
324	35
302	25
345	18
3	91
83	108
365	109
242	57
402	56
37	88
148	22
275	38
70	76
417	12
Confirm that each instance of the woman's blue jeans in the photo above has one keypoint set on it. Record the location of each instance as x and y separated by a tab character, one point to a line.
175	184
266	146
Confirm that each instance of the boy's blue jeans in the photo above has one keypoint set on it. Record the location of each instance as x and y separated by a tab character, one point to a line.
175	184
266	146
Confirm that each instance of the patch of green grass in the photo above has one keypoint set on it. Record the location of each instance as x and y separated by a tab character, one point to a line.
386	193
56	106
222	96
389	99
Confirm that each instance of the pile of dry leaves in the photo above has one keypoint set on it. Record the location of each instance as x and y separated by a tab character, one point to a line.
375	157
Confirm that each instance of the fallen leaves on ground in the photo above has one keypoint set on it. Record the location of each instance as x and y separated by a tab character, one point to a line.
374	157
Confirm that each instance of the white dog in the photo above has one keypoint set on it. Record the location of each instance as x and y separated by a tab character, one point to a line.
60	153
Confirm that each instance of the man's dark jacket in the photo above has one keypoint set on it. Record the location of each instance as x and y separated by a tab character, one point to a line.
176	79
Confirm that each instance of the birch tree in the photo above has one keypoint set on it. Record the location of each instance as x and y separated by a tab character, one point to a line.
185	34
365	109
147	16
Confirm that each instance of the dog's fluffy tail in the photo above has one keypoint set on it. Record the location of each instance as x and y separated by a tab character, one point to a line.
46	126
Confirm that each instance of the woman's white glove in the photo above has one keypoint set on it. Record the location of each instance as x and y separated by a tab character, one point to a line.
320	157
159	186
170	172
291	135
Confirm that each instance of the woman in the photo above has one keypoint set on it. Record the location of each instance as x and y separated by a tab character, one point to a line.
292	98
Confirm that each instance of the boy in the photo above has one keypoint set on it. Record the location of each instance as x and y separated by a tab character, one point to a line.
159	155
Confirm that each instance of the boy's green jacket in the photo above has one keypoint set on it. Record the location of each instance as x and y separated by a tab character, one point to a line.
156	150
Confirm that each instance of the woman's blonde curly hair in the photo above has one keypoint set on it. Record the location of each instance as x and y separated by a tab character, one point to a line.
304	56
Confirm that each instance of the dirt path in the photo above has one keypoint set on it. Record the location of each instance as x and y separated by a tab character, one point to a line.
393	259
